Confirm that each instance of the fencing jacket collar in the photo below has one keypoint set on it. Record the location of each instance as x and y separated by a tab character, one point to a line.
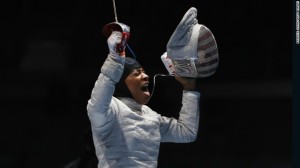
132	104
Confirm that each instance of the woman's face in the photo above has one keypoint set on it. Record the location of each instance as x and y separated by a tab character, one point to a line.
137	82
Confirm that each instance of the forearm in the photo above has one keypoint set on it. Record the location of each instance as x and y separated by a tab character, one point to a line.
99	104
189	114
185	128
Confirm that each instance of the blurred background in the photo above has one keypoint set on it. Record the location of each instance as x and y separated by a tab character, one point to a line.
51	55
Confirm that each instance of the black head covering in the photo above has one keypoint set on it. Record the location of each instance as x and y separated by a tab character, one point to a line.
121	89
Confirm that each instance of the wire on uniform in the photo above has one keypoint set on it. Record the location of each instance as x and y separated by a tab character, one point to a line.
153	88
132	53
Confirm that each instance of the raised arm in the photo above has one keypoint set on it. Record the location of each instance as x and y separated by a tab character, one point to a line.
100	106
185	128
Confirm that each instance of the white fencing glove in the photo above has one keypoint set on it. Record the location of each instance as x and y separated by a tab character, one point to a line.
183	42
116	44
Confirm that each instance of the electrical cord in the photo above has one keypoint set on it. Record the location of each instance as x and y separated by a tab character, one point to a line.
153	88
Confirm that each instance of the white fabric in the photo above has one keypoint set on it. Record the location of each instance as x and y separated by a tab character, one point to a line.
114	39
127	134
183	42
187	48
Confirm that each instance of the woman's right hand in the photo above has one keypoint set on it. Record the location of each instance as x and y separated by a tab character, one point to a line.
114	39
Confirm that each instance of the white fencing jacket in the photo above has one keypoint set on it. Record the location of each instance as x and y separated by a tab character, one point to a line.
127	134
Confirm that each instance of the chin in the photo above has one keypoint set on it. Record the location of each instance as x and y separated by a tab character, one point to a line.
142	97
146	101
143	100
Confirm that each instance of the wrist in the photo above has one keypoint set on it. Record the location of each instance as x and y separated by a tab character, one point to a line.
191	87
122	54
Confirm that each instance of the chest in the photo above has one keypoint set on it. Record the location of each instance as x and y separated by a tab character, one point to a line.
140	130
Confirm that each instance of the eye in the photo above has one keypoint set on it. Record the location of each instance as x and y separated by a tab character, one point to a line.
135	73
138	72
141	70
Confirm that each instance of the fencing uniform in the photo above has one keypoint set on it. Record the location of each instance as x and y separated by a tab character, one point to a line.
127	134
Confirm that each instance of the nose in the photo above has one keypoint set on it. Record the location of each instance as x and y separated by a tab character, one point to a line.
145	76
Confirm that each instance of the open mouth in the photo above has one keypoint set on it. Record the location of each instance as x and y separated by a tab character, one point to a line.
145	87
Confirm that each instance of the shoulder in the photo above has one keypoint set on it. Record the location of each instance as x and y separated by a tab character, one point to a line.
146	109
117	104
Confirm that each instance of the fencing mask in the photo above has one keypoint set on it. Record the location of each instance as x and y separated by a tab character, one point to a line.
192	49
